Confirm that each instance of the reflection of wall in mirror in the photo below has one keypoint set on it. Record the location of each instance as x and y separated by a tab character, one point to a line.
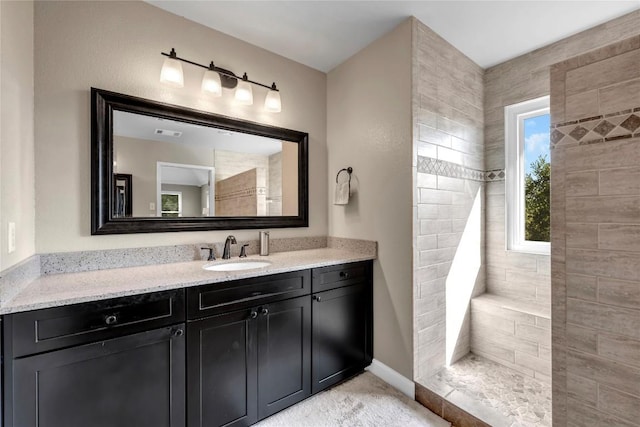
240	195
139	157
274	185
289	179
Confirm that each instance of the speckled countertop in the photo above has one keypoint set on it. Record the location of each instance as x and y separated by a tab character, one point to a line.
72	288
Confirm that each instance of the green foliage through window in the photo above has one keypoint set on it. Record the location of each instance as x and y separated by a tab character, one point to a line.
537	201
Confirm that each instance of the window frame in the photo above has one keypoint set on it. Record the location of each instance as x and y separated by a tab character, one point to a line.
514	117
171	193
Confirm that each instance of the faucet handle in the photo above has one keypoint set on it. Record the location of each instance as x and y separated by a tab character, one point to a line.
243	250
211	257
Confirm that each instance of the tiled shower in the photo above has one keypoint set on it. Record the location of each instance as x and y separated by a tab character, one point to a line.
482	313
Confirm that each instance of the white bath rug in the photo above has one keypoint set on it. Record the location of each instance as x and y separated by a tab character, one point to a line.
362	401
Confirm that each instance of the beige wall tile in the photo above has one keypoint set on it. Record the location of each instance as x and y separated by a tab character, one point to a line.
621	96
619	348
620	181
582	339
581	105
625	209
619	292
614	154
582	183
582	287
621	404
581	415
583	389
603	73
619	237
582	235
619	376
611	264
603	317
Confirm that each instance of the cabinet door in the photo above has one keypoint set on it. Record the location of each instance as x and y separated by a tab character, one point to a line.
222	370
341	334
284	355
136	380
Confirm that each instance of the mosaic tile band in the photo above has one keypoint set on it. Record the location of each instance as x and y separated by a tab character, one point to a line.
593	130
452	170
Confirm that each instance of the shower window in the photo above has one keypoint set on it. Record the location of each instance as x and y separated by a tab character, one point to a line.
527	175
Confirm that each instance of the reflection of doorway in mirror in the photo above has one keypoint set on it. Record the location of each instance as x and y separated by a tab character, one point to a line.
192	182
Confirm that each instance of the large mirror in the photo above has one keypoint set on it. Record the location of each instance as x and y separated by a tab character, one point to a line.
159	167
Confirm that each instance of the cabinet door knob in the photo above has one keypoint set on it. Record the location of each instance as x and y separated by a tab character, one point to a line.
317	298
253	314
344	275
265	311
178	333
111	319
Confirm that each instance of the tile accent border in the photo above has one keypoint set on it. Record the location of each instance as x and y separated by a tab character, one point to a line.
452	170
593	130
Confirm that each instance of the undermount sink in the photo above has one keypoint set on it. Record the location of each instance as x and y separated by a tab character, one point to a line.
237	266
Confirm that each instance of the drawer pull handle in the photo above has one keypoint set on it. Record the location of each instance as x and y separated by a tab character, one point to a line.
317	298
344	275
265	311
253	314
178	333
111	320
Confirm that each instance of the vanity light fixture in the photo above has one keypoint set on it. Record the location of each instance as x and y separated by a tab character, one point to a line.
215	78
244	93
171	72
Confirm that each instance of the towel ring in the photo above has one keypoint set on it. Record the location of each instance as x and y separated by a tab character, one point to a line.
348	170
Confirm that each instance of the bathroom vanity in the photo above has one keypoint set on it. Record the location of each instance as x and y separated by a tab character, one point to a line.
229	353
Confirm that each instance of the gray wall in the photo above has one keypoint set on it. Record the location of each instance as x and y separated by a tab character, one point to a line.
17	174
116	46
369	129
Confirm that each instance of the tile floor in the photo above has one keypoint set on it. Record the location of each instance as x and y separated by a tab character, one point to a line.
492	392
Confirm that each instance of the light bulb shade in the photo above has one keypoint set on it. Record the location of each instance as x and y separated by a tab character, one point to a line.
171	73
244	93
211	83
272	102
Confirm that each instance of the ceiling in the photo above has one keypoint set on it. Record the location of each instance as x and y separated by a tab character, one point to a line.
322	34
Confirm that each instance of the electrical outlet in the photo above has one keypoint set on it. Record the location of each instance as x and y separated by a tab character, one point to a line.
152	206
11	234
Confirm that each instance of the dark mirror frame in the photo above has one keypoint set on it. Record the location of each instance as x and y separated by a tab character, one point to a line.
103	103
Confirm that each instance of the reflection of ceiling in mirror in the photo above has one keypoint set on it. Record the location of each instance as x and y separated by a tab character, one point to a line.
145	127
185	175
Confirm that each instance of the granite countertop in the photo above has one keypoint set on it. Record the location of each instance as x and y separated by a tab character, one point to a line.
72	288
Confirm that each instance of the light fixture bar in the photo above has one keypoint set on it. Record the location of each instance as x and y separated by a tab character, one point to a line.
222	71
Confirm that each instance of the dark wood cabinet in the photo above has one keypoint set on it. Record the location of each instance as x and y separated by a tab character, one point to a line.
249	364
223	354
222	370
284	355
342	324
136	380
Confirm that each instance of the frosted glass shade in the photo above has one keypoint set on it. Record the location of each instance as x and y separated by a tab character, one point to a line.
211	83
171	73
244	93
272	102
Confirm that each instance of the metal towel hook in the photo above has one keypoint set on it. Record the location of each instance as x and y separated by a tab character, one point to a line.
348	170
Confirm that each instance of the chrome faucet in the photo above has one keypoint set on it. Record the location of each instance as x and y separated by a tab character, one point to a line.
226	253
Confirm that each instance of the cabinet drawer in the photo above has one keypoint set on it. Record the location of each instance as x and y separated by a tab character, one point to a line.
49	329
238	294
336	276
